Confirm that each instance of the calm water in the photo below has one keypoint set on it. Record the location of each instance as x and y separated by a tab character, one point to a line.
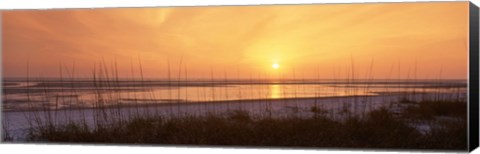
18	94
277	96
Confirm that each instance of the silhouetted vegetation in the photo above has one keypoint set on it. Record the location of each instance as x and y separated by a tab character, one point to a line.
432	109
380	128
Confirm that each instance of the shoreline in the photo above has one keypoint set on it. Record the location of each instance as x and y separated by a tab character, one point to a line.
219	102
380	95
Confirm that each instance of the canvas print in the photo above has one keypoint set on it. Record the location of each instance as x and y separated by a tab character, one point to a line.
362	76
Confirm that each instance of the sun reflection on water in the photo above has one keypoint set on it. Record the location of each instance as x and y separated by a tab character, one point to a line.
275	91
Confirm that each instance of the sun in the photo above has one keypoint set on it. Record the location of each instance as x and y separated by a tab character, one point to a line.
275	66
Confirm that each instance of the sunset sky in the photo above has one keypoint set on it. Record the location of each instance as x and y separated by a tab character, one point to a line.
243	41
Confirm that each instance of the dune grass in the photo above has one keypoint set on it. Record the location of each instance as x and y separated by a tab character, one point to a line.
430	109
380	128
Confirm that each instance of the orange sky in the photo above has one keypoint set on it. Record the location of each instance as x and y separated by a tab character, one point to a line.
309	39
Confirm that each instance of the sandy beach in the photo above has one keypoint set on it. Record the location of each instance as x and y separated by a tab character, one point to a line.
335	107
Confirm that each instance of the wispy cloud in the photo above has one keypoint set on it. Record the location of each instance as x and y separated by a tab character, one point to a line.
252	37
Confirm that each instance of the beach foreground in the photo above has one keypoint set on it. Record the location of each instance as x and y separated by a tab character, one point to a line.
360	121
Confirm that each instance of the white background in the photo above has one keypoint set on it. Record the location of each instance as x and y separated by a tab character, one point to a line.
87	149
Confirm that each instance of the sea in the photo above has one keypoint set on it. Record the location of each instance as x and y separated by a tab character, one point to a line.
20	94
